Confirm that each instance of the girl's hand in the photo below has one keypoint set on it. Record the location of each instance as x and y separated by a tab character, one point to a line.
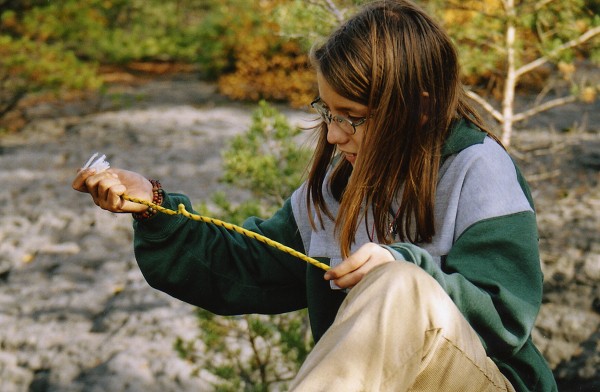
351	271
107	187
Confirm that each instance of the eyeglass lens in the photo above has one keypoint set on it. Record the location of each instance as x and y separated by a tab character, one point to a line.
344	123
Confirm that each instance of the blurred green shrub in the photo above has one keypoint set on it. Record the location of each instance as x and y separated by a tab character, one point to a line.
254	352
116	31
235	42
27	66
266	159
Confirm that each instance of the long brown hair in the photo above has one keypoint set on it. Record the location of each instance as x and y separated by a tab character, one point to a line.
396	60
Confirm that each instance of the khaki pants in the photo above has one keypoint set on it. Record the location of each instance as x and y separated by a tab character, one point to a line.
398	330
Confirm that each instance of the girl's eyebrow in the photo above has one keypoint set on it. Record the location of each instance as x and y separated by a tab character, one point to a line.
351	111
344	108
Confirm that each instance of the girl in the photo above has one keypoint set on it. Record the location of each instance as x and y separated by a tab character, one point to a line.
426	222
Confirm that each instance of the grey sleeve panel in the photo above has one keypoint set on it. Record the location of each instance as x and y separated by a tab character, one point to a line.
300	211
478	183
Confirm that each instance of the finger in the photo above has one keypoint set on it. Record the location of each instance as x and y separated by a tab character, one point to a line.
104	189
352	262
352	270
110	197
114	196
79	182
116	203
351	279
93	183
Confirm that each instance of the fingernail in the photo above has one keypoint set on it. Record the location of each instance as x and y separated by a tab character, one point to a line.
327	276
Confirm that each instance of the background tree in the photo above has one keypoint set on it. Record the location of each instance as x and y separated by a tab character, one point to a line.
508	45
66	45
260	62
311	20
59	46
29	65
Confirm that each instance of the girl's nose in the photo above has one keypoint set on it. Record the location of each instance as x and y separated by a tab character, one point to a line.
335	135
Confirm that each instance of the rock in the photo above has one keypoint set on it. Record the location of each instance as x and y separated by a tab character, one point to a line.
591	267
588	155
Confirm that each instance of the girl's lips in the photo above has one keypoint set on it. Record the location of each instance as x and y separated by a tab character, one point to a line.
350	157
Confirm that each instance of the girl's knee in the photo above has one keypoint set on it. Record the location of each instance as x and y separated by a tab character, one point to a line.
402	275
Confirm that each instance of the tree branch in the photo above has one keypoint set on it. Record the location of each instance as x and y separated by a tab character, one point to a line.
542	94
543	176
541	4
567	45
481	10
482	45
12	102
338	14
543	107
486	105
330	6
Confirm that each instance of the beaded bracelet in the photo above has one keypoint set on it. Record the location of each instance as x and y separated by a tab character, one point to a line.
158	195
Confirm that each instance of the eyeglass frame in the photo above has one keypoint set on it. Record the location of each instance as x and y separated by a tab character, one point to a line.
328	117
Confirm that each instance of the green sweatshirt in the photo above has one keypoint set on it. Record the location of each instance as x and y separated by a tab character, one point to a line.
484	255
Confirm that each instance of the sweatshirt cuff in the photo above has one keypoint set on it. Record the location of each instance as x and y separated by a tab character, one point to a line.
161	222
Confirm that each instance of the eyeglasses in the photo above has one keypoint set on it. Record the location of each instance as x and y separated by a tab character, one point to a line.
345	124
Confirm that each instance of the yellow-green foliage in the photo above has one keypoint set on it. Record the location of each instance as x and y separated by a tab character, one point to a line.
264	63
116	31
28	66
270	70
42	65
236	42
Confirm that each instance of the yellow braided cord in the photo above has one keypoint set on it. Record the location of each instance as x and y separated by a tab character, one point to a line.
229	226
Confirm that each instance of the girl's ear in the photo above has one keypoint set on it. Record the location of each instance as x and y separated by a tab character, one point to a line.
424	104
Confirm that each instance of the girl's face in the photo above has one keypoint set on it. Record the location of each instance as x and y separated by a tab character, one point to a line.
341	133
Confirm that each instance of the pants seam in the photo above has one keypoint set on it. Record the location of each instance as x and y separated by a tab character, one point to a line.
475	364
